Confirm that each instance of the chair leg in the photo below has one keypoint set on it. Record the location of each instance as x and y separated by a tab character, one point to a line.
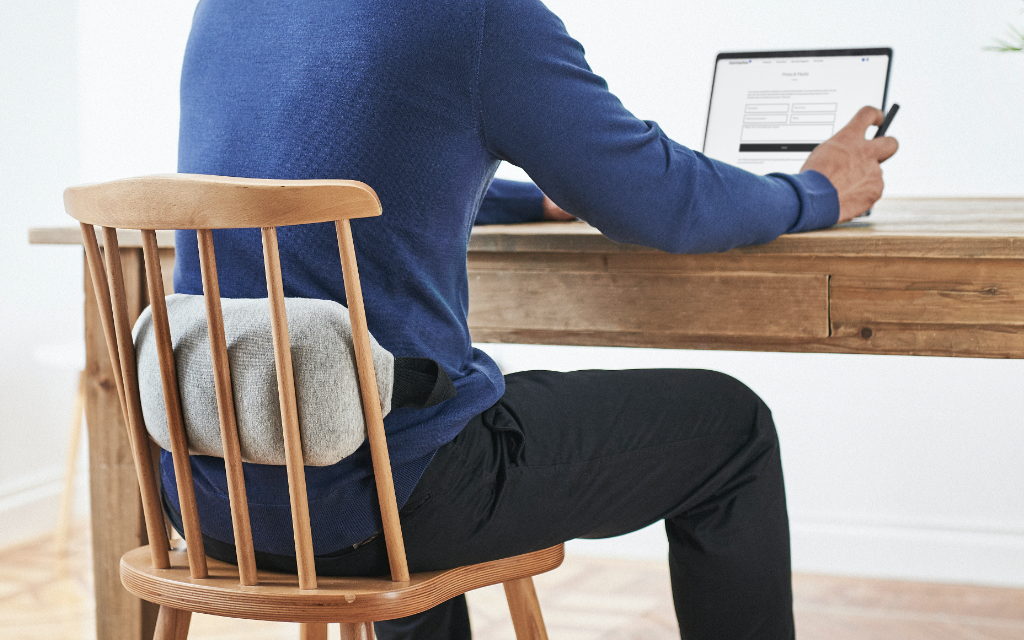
356	631
172	624
313	631
526	617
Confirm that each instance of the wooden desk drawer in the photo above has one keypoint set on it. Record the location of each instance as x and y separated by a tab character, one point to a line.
923	301
705	304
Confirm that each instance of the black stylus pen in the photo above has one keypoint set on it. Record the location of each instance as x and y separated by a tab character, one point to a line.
887	120
882	128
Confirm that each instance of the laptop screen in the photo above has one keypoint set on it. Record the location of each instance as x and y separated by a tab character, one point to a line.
770	109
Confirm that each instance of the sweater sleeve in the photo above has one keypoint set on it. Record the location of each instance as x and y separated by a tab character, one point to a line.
510	202
543	109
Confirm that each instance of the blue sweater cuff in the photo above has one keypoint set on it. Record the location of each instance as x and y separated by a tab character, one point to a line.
819	200
511	202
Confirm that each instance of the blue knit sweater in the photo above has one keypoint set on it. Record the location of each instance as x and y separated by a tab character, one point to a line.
421	100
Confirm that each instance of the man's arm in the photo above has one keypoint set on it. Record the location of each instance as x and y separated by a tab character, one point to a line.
543	109
512	202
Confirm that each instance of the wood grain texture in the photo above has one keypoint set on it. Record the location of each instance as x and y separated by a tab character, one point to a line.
113	483
906	340
371	406
172	624
184	201
356	631
226	411
278	596
910	227
105	309
525	610
313	631
152	508
726	304
296	471
172	403
901	306
928	301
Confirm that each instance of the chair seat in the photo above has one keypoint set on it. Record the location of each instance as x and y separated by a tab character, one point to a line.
277	597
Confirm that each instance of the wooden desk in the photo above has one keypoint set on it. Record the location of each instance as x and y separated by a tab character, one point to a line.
919	277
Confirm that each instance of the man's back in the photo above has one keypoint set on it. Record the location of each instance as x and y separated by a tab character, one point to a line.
421	100
380	92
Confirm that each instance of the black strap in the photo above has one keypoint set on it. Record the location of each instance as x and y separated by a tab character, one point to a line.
420	383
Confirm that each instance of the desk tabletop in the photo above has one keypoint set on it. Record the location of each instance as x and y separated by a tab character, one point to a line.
898	227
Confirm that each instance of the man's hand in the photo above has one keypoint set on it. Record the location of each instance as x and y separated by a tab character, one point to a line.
553	212
853	164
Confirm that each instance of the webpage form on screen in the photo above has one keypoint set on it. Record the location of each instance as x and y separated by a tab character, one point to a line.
768	114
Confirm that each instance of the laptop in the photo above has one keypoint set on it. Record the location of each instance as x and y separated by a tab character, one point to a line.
770	109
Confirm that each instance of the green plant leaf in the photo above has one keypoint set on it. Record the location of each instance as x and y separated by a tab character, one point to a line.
1014	41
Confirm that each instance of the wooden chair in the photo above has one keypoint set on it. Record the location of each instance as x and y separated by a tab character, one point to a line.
182	582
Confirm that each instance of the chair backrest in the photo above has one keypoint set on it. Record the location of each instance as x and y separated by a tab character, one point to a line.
204	203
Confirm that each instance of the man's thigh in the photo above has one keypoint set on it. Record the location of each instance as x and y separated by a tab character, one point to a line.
581	454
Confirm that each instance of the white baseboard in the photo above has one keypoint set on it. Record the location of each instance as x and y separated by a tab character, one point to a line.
927	554
29	504
903	552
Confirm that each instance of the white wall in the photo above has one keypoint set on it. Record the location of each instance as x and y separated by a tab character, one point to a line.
895	466
129	63
88	92
40	287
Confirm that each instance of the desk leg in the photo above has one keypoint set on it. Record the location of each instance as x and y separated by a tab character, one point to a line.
117	523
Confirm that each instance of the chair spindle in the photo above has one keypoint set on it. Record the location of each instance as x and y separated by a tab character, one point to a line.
151	507
371	406
226	412
172	402
289	413
99	285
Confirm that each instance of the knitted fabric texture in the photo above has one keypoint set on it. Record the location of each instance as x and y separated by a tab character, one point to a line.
330	410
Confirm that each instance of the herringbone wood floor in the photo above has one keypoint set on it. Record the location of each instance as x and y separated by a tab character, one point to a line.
44	596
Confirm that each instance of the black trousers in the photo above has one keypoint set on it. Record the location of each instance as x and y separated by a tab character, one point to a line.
595	454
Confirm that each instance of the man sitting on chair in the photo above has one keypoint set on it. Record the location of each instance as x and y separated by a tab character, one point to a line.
422	100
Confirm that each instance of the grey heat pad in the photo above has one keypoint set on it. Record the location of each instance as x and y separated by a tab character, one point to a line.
330	411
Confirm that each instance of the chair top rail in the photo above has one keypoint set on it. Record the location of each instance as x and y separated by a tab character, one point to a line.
189	201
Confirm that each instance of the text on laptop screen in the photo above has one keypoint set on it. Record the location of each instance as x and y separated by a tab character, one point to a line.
767	114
